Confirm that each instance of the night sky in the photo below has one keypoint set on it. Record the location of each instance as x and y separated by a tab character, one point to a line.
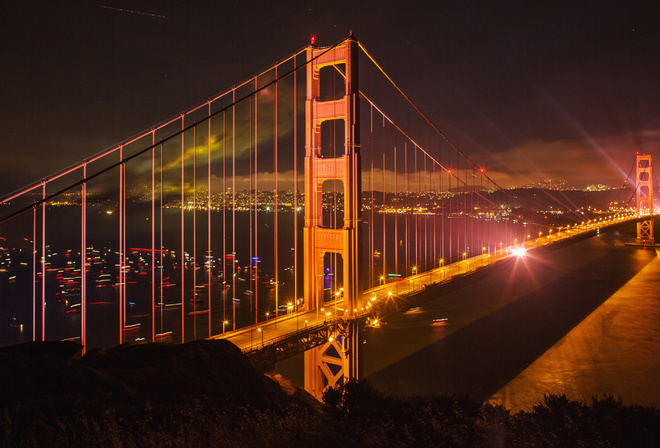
535	89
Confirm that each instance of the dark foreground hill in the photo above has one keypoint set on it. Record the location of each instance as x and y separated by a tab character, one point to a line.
207	394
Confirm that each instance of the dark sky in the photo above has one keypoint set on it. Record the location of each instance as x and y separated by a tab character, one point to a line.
533	89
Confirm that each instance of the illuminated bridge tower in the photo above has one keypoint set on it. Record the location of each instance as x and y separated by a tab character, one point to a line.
338	358
645	200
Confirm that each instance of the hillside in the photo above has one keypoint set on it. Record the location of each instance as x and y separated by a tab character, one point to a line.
207	394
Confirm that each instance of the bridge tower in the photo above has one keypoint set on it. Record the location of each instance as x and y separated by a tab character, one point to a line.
338	358
645	200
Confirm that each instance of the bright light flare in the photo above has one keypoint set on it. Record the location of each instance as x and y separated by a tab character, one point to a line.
519	251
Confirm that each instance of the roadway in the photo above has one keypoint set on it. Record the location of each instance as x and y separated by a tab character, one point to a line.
273	330
500	324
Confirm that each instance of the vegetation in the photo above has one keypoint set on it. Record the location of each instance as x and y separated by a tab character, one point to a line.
206	394
372	419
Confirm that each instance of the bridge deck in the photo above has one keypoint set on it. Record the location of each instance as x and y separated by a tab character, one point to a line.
254	337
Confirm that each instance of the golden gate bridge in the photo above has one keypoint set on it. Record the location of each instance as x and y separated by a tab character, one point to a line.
283	214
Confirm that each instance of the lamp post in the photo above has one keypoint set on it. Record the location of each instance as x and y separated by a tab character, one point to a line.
223	326
262	336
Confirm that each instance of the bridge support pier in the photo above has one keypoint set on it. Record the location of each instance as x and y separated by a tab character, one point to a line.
338	358
334	362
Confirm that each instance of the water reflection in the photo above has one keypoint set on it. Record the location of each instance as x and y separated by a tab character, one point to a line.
502	324
614	350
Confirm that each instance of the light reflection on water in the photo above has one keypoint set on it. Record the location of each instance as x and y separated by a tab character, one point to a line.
524	332
614	350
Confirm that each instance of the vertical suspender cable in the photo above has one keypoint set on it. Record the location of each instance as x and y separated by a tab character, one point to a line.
382	144
43	262
417	242
224	221
277	277
295	182
256	202
426	229
465	211
153	238
124	285
396	214
395	204
121	247
407	208
251	202
208	259
83	262
371	187
34	274
182	257
233	209
450	197
161	268
194	232
442	206
434	190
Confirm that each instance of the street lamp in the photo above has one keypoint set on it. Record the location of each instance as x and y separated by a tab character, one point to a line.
267	314
262	336
223	326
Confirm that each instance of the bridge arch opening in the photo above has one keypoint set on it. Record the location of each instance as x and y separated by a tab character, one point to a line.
333	276
331	82
333	138
333	204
